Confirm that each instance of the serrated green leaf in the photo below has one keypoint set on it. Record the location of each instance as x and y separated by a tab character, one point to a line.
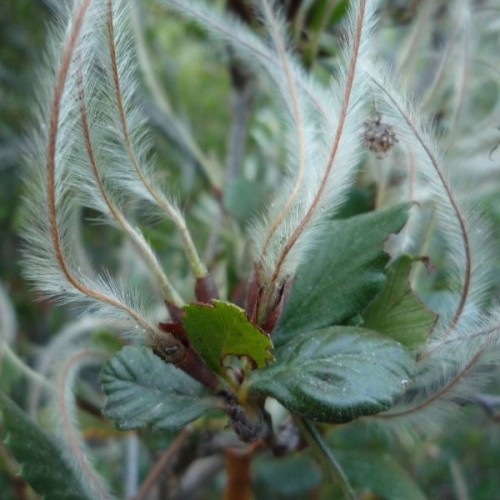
223	329
396	311
336	374
380	474
344	276
142	390
43	465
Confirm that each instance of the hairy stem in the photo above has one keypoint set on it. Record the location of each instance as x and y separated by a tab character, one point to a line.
132	456
439	394
474	335
154	475
67	424
297	116
7	353
266	57
462	91
163	102
420	27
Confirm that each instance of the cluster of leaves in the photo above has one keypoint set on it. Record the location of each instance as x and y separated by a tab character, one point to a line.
320	370
326	320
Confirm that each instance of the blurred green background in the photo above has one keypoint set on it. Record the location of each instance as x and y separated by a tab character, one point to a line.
462	464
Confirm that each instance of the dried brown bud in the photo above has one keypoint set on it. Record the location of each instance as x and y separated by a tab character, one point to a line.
379	137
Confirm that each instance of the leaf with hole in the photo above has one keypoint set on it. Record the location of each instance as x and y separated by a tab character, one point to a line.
223	329
336	374
142	390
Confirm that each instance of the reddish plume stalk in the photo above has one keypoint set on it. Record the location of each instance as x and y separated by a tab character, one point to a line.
336	142
51	151
66	420
456	380
156	472
300	136
51	169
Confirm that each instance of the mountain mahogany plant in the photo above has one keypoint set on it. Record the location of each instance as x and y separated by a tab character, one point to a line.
322	324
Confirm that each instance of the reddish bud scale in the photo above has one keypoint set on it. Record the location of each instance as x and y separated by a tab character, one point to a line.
206	290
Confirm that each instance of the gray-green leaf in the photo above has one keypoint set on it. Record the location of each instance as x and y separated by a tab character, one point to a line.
380	474
343	276
43	465
336	374
397	311
142	390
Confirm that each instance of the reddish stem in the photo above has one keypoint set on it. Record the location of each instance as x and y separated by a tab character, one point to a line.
206	290
239	479
195	367
191	363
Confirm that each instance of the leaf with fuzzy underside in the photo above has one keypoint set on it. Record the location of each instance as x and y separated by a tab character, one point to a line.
43	465
343	276
336	374
223	329
396	311
142	390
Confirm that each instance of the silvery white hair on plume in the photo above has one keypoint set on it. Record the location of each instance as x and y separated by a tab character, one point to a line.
67	169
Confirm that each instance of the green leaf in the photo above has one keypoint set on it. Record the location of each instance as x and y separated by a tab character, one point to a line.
379	474
396	311
336	374
318	12
142	390
43	465
343	276
223	329
10	373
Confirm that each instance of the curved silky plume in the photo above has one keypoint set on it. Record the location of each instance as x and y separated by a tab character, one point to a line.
334	153
52	197
66	426
455	362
